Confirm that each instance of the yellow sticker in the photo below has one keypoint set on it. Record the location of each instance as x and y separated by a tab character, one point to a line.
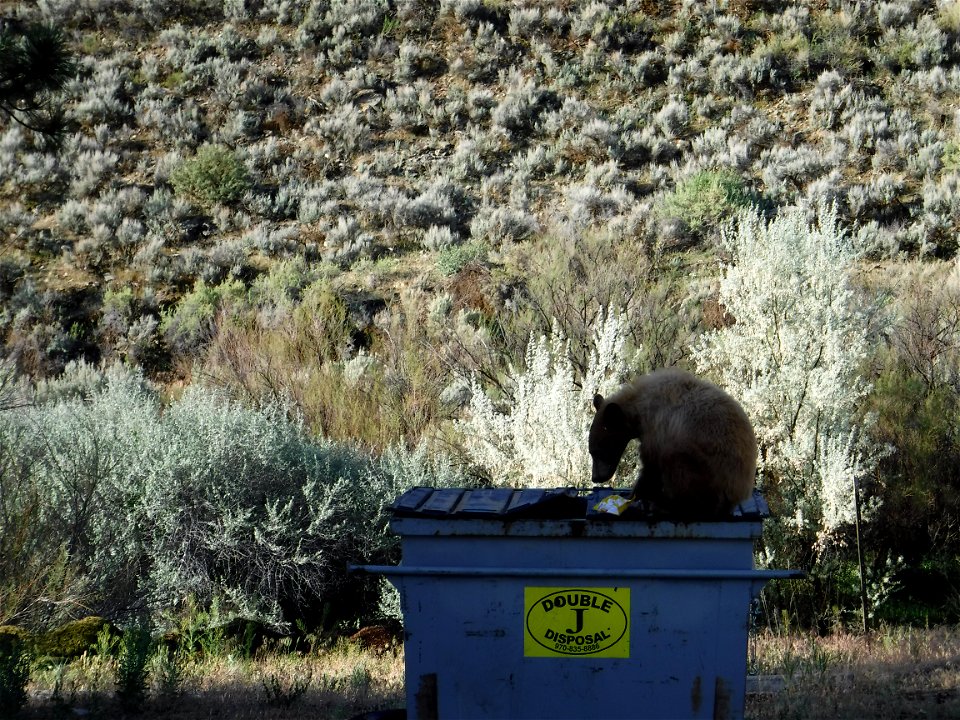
565	622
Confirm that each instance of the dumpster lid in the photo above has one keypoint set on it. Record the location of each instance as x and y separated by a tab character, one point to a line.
542	504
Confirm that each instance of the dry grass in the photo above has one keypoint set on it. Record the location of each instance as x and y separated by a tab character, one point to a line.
890	673
332	683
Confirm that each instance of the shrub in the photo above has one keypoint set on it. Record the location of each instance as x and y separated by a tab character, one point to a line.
536	435
919	46
498	226
214	175
32	563
794	358
190	324
838	41
451	260
247	509
926	334
131	508
13	637
704	200
167	667
346	241
72	461
312	360
439	238
921	496
517	113
918	407
281	692
14	390
569	277
948	17
434	206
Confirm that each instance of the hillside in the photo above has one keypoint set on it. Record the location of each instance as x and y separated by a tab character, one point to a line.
389	144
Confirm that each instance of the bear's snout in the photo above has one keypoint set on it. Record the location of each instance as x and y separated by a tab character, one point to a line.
602	471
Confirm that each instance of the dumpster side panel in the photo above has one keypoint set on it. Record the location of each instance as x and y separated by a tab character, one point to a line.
687	654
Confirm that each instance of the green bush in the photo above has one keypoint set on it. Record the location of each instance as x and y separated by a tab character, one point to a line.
453	259
214	175
190	324
705	199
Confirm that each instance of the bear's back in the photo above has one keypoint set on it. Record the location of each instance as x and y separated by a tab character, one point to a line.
697	439
672	393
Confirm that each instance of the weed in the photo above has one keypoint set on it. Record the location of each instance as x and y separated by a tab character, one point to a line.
359	679
107	643
168	667
284	691
132	671
951	155
452	260
390	25
59	672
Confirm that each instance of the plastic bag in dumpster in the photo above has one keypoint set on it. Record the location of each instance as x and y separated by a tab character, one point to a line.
613	504
533	603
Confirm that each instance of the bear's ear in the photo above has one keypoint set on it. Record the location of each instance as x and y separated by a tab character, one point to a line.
597	401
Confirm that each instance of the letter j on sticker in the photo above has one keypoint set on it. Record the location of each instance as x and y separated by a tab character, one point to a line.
576	621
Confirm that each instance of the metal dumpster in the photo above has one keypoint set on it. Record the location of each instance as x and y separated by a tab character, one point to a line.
530	604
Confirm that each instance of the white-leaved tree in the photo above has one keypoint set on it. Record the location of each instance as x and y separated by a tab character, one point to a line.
537	435
794	356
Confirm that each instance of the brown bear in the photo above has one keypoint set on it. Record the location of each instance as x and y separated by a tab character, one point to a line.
698	448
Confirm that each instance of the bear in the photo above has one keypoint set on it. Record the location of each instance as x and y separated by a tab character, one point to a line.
697	445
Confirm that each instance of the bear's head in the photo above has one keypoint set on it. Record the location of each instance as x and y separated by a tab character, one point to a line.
609	435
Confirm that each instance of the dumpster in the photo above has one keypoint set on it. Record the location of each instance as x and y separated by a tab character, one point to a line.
531	604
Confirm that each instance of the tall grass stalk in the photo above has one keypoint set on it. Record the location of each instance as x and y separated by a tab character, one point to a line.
131	669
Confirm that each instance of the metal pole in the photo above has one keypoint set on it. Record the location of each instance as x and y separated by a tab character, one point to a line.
863	576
